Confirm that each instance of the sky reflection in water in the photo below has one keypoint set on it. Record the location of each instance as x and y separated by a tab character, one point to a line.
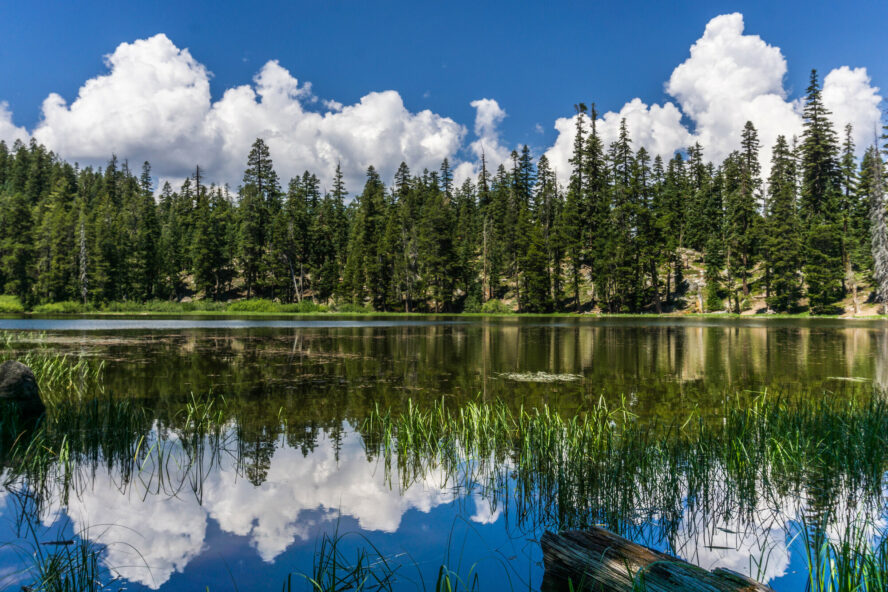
217	523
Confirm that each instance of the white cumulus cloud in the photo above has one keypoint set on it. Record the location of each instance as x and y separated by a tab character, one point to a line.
657	128
9	132
850	95
488	116
155	104
729	78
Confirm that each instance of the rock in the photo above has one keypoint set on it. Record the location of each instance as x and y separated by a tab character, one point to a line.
18	385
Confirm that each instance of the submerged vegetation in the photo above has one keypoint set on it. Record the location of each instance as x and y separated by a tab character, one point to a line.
817	470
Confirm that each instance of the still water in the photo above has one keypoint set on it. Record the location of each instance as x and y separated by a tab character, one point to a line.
242	508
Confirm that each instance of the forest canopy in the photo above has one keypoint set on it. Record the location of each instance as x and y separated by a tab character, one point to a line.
628	233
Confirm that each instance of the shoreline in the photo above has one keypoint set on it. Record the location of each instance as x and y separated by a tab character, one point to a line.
516	315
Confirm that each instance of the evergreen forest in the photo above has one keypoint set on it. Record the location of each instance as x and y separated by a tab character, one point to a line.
629	233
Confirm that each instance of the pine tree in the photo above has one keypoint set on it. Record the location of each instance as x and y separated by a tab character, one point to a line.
547	206
742	214
819	204
861	250
146	257
671	221
104	251
624	257
16	246
259	202
202	248
595	230
466	245
647	236
436	249
570	242
364	270
879	232
83	258
699	184
783	232
55	261
571	221
713	222
170	259
5	160
848	209
536	294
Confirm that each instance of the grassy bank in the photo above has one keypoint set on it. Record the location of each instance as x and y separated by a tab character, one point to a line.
263	307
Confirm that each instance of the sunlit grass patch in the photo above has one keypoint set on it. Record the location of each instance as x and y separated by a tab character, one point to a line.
10	304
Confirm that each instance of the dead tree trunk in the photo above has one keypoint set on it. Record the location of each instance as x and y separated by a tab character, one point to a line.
601	561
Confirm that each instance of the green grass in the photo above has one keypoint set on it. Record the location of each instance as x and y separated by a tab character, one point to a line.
334	570
605	467
497	307
268	306
260	306
63	307
252	306
847	563
10	304
61	378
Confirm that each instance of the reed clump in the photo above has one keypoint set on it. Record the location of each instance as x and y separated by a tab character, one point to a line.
644	479
61	378
825	459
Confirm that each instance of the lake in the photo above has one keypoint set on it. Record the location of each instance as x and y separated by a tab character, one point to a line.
224	450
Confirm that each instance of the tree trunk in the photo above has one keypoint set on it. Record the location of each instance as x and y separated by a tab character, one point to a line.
850	275
655	282
668	285
301	292
292	276
597	559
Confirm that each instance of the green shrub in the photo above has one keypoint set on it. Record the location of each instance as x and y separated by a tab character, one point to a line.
165	306
714	300
63	307
352	308
10	304
254	305
264	305
304	307
197	305
472	304
496	307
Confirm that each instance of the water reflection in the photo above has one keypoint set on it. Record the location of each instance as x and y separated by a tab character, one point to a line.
153	510
154	522
666	366
171	485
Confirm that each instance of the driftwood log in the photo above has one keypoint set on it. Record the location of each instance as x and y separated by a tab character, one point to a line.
601	561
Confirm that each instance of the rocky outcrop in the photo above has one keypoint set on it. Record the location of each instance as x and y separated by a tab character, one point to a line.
18	385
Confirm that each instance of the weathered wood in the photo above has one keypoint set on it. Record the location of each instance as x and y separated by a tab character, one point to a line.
601	561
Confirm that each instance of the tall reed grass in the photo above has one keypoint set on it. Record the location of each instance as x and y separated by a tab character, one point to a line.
602	466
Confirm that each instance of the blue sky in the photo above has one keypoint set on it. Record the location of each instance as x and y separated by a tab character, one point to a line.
535	59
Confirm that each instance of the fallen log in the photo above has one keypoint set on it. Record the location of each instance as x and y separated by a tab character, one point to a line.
600	561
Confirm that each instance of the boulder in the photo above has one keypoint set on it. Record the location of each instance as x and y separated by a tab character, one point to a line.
18	385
